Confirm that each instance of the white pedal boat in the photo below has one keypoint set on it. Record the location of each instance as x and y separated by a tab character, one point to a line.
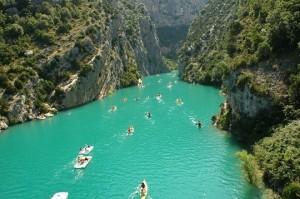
82	162
60	195
86	150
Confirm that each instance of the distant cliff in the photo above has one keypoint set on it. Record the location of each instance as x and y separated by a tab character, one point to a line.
57	55
173	12
172	19
251	50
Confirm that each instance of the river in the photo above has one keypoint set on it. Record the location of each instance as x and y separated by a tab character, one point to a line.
178	160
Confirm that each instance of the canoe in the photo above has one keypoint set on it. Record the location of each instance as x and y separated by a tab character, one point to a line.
86	150
60	195
82	162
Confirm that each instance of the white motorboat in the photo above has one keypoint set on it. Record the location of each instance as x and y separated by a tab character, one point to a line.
86	150
82	162
60	195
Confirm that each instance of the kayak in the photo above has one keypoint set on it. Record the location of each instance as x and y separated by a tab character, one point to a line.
113	108
60	195
145	193
179	102
82	162
130	130
86	150
158	97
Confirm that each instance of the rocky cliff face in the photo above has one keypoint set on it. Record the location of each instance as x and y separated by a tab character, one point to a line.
242	100
172	19
173	12
249	110
116	52
95	58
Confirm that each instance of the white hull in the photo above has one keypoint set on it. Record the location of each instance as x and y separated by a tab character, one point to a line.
84	164
86	150
60	195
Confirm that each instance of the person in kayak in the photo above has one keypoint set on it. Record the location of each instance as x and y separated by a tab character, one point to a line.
198	124
113	108
179	101
143	189
130	130
148	115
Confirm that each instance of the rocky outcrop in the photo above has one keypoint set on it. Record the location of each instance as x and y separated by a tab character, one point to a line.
242	100
251	107
3	125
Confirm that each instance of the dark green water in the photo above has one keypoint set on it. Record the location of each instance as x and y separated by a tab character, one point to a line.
178	160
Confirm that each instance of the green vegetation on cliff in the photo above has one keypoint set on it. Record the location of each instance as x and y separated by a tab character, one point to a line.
203	57
229	35
32	33
251	48
279	156
66	53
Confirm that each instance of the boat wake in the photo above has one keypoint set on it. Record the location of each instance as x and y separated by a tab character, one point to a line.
134	194
78	174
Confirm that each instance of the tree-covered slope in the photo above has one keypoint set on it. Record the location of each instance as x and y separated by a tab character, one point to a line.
251	49
279	156
201	56
61	54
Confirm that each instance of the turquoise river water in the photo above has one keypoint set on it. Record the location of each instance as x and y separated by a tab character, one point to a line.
178	160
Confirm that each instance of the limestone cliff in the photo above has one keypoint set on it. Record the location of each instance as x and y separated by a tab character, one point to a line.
173	12
172	19
110	45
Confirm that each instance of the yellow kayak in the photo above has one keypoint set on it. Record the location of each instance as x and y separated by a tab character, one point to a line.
144	190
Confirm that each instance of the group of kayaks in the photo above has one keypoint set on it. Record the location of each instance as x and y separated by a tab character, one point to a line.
83	158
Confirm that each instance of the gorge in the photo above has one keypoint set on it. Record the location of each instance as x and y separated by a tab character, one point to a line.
172	19
57	55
